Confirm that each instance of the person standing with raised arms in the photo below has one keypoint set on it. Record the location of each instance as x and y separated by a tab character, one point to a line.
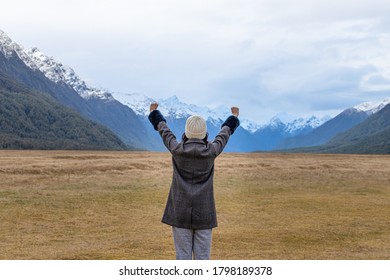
190	208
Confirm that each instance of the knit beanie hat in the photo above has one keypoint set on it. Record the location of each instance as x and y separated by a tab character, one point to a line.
195	127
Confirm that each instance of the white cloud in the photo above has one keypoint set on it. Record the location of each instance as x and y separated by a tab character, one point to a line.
295	56
375	82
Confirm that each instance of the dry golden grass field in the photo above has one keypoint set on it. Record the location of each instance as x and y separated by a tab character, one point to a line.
108	205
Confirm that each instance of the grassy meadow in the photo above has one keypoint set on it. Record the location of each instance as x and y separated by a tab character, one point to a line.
108	205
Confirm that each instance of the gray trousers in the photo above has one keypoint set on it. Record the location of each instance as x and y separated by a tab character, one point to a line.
192	243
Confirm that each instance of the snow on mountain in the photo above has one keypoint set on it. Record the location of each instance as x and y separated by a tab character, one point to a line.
139	103
301	124
292	125
372	107
173	107
170	106
177	109
282	117
58	72
249	125
9	47
52	69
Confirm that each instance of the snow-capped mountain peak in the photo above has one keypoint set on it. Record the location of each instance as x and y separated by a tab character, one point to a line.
138	102
283	117
170	106
58	72
372	107
249	125
173	107
52	69
172	101
9	47
293	125
301	124
178	109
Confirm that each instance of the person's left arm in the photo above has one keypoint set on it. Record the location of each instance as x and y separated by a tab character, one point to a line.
227	129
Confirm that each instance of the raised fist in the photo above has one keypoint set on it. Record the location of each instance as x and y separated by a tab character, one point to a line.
153	106
235	111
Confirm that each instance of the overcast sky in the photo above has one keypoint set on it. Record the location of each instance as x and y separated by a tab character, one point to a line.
267	56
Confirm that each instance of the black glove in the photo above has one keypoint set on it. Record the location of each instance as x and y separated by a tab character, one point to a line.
232	122
155	117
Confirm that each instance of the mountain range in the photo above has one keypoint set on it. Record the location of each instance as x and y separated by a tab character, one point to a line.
37	72
33	73
371	136
34	120
341	123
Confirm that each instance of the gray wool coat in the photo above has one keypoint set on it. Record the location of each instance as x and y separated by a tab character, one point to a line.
191	202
